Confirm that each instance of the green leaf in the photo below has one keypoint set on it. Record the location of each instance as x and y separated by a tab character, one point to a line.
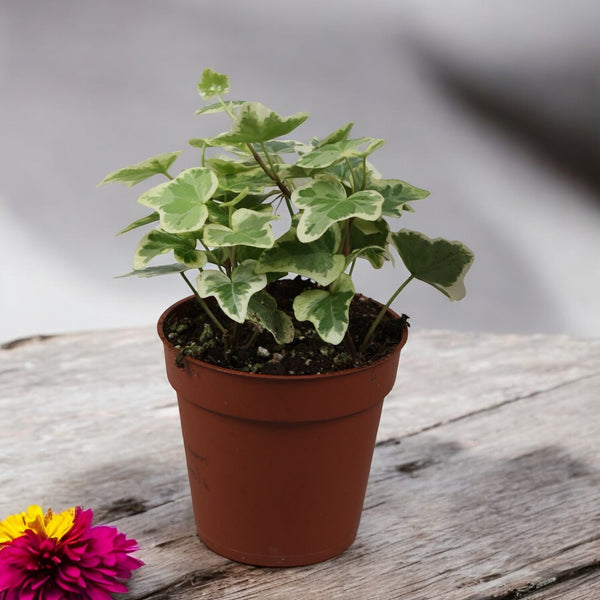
329	154
316	260
327	310
262	309
325	203
369	240
141	171
233	295
213	84
217	107
181	202
396	194
159	242
151	218
248	227
255	123
438	262
156	271
338	135
285	147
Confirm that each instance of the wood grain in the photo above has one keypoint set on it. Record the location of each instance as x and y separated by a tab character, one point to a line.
484	482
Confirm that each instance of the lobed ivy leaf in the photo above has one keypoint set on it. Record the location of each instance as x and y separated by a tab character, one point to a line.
438	262
330	154
248	227
151	218
181	202
396	194
324	203
213	84
369	240
158	242
233	294
327	310
255	123
316	260
338	135
262	309
141	171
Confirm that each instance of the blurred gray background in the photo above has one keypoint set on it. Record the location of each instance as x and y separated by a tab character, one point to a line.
493	106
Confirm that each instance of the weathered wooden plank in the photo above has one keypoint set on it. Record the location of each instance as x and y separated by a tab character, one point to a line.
483	480
586	587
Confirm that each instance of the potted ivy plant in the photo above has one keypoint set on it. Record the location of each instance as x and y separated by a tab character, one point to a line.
279	365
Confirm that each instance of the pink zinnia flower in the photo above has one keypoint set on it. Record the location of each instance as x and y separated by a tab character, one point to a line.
62	557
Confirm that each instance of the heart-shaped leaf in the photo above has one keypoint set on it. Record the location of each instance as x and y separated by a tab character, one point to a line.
255	123
248	228
181	203
325	203
262	309
159	242
369	240
438	262
316	260
143	170
213	84
396	194
327	310
233	294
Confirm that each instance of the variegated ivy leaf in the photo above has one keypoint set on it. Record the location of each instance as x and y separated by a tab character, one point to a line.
396	194
232	294
324	203
330	154
327	310
338	135
286	147
217	107
248	228
262	309
156	271
143	170
181	202
438	262
151	218
316	260
369	240
159	242
213	84
255	123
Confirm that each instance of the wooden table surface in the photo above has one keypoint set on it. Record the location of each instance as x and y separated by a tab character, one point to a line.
485	481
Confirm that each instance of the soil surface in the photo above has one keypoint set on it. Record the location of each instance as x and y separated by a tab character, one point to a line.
194	334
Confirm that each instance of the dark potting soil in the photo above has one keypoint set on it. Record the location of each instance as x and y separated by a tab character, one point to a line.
195	335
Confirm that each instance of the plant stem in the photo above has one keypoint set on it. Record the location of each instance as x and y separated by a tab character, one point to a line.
272	175
204	306
382	312
354	186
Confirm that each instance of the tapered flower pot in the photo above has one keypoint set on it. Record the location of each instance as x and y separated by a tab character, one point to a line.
278	465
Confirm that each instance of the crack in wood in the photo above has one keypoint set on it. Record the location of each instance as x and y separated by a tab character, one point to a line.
547	582
190	581
25	340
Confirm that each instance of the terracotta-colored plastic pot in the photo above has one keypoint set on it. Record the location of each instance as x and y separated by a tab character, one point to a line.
278	465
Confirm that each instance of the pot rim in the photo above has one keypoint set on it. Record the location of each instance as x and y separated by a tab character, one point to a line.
264	376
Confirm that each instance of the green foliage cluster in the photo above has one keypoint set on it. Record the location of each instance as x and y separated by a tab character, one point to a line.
217	219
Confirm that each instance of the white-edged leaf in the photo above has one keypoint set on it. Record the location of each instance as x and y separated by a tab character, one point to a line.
151	218
438	262
338	135
158	242
262	309
232	294
327	310
330	154
213	84
141	171
181	202
255	123
369	240
396	194
316	260
248	228
324	203
156	271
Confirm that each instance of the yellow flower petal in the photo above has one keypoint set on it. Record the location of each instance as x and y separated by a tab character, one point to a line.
46	525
